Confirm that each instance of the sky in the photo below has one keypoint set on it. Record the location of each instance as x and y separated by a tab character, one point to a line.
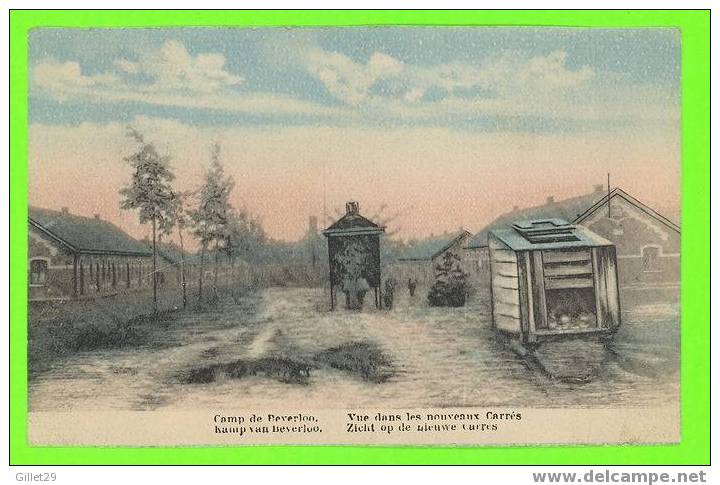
446	127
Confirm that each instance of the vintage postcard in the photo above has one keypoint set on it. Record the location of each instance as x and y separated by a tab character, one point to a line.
354	235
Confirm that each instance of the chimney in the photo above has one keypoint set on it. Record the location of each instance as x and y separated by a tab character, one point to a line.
65	210
352	208
550	200
96	216
598	188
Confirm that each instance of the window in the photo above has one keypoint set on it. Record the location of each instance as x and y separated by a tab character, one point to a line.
38	271
650	255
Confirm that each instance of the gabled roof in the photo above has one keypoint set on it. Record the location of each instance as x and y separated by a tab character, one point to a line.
428	249
85	234
575	209
567	209
618	192
547	234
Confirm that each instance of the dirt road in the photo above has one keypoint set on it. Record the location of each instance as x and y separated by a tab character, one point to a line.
440	357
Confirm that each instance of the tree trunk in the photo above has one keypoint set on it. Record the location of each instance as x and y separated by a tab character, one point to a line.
154	269
234	280
231	259
215	273
202	270
75	275
182	269
234	283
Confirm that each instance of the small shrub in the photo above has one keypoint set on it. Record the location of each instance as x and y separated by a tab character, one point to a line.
365	359
450	294
450	288
285	370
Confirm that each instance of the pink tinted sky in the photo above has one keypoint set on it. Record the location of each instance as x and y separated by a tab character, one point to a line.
439	179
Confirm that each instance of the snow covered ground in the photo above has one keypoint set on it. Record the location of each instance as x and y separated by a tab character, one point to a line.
441	357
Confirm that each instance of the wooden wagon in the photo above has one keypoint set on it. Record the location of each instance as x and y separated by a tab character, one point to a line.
553	280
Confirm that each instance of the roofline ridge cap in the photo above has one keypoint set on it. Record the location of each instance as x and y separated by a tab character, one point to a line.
51	234
618	191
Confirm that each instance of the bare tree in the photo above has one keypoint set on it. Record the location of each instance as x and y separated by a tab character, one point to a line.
380	215
389	220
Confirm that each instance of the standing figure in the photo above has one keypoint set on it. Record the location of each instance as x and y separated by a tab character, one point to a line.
361	287
412	284
349	288
389	294
355	290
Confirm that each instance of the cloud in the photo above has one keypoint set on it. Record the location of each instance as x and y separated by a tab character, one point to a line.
507	75
65	79
546	90
173	69
170	70
550	72
169	76
510	73
607	108
509	85
346	79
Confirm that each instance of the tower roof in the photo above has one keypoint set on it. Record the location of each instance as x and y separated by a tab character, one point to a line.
352	223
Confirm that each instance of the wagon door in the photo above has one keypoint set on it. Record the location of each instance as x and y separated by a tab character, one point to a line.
570	293
606	284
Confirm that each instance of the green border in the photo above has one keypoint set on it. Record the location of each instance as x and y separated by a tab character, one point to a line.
695	344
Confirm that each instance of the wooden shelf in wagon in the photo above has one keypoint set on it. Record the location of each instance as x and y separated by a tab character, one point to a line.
552	280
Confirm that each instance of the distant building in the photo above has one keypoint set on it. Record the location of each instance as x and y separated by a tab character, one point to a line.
71	256
648	243
566	209
420	260
170	259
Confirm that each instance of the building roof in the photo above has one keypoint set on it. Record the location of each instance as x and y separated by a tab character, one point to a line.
85	234
546	234
428	249
575	209
171	253
567	209
352	223
618	192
